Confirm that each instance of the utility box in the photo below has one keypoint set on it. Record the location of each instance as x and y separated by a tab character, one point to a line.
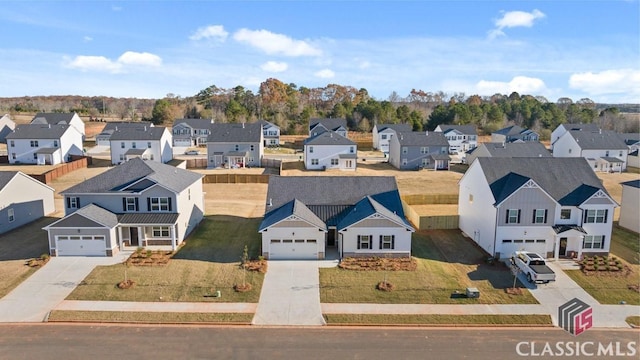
473	293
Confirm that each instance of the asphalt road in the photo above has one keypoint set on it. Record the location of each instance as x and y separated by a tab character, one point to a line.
54	341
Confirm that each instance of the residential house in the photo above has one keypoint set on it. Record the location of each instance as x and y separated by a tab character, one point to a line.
632	140
23	199
147	142
563	128
509	150
140	203
514	133
104	137
191	132
6	127
72	119
318	126
235	145
270	134
382	134
604	150
553	206
307	217
43	144
330	150
419	150
461	138
630	205
633	159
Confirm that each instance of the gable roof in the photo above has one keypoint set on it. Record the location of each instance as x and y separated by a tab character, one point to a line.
630	138
394	127
328	123
464	129
233	132
39	131
110	127
87	216
422	138
582	127
569	181
143	133
266	124
5	177
195	123
328	138
598	140
509	130
296	208
632	183
517	149
119	177
53	118
367	207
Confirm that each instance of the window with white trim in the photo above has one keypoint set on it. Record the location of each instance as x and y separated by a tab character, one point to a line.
159	203
11	214
387	242
593	242
539	216
133	145
122	145
314	161
405	149
565	214
13	144
55	143
424	150
596	216
34	143
161	231
334	161
148	144
513	216
404	161
130	204
73	202
364	241
383	137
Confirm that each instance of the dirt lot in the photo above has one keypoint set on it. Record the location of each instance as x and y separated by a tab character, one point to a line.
243	200
611	182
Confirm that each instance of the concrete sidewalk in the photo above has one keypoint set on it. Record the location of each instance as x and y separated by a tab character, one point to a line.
135	306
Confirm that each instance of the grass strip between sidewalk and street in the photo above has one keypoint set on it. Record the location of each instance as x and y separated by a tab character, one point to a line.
148	317
633	320
436	319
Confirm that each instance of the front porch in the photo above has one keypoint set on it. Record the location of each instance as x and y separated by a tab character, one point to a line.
149	231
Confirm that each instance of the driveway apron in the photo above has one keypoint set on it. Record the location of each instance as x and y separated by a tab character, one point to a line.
290	294
47	287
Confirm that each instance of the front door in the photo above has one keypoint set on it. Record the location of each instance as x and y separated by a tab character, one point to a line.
133	235
331	237
563	247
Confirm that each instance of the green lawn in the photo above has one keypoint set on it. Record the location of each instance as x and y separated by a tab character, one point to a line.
149	317
613	288
447	262
452	320
633	320
209	261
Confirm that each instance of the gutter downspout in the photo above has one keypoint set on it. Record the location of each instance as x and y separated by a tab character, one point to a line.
495	231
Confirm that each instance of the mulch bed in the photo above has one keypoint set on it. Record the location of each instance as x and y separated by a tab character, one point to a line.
38	262
514	291
256	265
126	284
385	286
242	287
377	264
149	258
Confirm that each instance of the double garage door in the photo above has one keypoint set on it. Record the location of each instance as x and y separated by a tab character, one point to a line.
532	245
293	249
85	245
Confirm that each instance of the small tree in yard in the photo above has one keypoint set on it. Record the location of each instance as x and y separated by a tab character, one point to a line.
244	259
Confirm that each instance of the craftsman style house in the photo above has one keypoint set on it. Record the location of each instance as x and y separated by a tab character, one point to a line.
23	199
329	150
235	145
553	206
140	203
191	132
419	150
147	143
604	150
307	217
43	144
382	134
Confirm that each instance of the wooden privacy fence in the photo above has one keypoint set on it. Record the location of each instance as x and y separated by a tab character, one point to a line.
49	176
4	159
430	199
430	222
271	163
196	163
236	179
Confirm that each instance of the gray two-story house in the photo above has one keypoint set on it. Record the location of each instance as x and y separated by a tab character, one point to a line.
139	203
270	134
419	150
191	132
235	145
514	133
317	126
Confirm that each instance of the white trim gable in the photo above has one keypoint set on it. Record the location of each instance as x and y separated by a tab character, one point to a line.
530	184
292	218
600	195
379	216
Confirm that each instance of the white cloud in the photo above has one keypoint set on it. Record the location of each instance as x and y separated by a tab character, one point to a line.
272	43
511	19
616	81
325	74
274	66
216	32
520	84
87	39
137	58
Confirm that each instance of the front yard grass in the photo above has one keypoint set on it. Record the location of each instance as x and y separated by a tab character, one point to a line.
446	262
208	262
433	319
148	317
612	288
633	320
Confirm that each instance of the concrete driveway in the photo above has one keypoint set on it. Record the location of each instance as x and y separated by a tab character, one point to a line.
47	287
290	294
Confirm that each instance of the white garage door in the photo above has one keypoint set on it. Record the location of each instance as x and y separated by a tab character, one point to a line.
532	245
181	142
293	249
80	245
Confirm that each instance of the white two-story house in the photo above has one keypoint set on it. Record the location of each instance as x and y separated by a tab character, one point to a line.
330	150
72	119
235	145
563	128
140	203
147	143
461	138
382	134
604	150
270	134
553	206
43	144
104	137
191	132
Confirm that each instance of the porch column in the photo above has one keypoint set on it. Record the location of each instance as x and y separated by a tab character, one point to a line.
556	247
120	238
172	233
142	239
581	237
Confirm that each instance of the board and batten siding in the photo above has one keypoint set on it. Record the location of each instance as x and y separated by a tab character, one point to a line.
527	200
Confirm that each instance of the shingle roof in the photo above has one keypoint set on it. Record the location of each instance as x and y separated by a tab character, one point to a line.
630	138
422	138
517	149
464	129
328	138
367	207
632	183
139	133
52	118
265	123
329	123
241	133
38	131
598	140
118	177
195	123
293	207
583	127
148	218
394	127
5	177
570	181
88	216
510	130
110	127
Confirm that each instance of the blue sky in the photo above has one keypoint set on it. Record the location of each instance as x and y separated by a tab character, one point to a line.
148	49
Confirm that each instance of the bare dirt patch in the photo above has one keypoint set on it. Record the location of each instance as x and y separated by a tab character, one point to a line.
242	200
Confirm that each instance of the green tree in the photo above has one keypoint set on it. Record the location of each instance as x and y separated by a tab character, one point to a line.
162	112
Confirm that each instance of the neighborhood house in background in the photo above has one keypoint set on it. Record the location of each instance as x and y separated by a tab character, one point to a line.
235	145
330	150
147	143
6	127
630	205
191	132
514	133
419	150
604	150
43	144
382	134
318	126
104	137
508	150
72	119
23	199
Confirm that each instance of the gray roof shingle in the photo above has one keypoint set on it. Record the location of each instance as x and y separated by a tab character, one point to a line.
394	127
110	127
328	123
328	138
38	131
195	123
87	216
515	149
5	177
464	129
232	132
632	183
598	140
138	133
422	138
52	118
